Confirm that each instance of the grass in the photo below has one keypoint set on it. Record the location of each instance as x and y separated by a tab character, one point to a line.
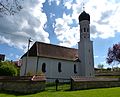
105	92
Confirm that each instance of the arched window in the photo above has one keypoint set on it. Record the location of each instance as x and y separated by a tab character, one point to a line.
59	67
84	30
75	69
43	67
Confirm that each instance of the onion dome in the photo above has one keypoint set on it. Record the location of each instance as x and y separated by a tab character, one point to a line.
84	16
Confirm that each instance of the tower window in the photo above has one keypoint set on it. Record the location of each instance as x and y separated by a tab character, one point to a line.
87	29
75	69
89	50
59	67
84	30
43	67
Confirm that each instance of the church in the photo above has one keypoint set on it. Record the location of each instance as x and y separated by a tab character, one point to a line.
62	62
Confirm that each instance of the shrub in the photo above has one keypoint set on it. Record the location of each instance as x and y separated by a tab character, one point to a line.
7	69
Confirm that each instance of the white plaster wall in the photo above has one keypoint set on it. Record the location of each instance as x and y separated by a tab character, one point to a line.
86	56
67	67
31	65
85	51
22	68
32	62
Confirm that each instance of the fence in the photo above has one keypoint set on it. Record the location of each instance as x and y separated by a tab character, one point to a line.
77	83
58	84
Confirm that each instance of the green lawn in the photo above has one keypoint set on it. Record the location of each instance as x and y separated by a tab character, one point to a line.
106	92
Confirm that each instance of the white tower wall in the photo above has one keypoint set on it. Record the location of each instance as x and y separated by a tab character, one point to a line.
85	50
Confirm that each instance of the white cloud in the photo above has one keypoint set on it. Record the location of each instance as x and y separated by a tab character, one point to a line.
105	16
66	35
11	55
96	56
29	22
68	5
57	1
17	57
104	20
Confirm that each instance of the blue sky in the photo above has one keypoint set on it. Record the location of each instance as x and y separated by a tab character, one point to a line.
56	22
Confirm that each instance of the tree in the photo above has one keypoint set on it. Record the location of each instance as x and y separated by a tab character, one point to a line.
10	6
113	55
100	66
8	69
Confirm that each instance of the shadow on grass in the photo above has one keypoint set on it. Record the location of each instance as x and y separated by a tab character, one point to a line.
25	94
59	88
16	93
49	88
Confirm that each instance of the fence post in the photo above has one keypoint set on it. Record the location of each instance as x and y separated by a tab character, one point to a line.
56	81
71	84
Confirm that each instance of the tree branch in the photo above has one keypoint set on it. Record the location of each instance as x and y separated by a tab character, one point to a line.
10	7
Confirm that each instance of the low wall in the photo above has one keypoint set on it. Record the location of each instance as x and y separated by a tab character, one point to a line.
108	73
22	84
90	83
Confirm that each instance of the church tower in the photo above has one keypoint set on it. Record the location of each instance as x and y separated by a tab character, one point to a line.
85	47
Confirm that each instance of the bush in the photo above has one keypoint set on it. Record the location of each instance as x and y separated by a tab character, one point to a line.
7	69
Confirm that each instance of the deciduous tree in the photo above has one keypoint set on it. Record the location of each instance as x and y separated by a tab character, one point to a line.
10	7
7	68
100	66
113	55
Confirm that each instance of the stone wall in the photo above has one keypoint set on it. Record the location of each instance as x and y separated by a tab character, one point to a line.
107	73
90	83
22	84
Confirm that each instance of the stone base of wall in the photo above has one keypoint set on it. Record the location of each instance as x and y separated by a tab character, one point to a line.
22	84
91	83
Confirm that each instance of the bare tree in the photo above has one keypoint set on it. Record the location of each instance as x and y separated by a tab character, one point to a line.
10	7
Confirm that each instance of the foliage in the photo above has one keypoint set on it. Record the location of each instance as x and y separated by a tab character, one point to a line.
30	73
100	66
113	54
106	92
8	69
40	73
10	6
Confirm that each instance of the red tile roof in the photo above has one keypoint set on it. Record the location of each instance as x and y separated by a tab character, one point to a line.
52	51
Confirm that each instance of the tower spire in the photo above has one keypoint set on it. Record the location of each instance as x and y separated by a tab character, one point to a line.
83	5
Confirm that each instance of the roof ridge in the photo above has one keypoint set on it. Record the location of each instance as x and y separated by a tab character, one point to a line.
52	51
54	45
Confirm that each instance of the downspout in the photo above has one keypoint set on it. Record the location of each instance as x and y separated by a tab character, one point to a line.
37	65
37	58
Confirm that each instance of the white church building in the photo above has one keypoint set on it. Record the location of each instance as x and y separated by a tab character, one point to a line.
62	62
